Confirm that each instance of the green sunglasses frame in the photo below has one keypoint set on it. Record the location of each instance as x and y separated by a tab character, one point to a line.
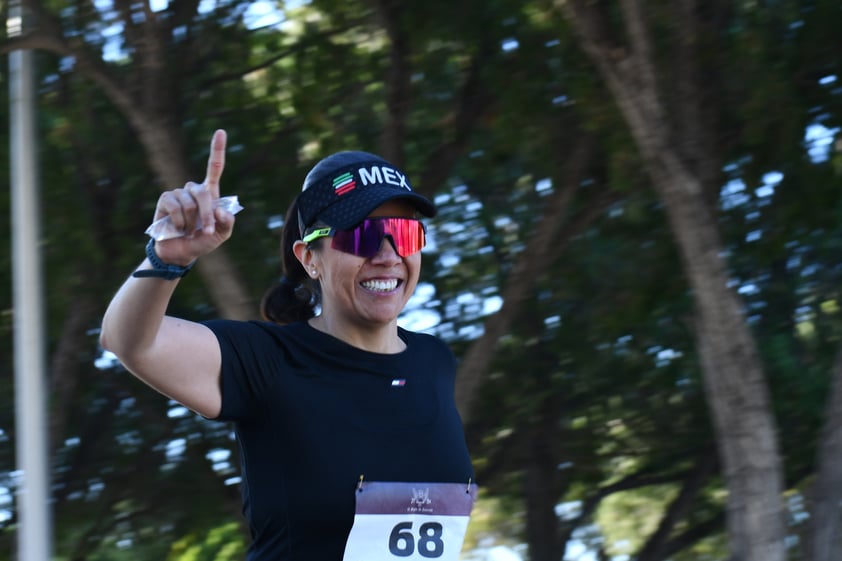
316	234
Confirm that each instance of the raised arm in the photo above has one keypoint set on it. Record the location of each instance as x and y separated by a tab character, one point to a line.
180	359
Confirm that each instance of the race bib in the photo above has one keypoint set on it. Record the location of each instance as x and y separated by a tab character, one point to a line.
410	521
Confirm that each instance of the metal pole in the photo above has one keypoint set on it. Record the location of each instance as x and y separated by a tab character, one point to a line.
33	509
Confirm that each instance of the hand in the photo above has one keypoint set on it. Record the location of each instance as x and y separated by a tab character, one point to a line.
193	204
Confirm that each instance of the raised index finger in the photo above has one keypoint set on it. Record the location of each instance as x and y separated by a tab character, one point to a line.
216	162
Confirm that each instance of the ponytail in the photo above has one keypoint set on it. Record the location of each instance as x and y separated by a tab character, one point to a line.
296	296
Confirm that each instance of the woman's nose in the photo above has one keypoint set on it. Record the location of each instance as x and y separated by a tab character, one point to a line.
387	251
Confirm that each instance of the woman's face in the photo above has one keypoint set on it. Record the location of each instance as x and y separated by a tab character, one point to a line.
367	291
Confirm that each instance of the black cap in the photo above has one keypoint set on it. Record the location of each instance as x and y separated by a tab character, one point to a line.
343	196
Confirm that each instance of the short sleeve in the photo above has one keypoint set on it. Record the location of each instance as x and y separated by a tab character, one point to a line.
249	367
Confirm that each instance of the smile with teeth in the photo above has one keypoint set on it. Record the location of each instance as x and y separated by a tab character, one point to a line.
380	285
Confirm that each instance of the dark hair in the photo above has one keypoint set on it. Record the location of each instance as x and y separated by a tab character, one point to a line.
296	296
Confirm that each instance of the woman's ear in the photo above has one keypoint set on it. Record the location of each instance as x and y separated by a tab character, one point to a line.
303	253
307	257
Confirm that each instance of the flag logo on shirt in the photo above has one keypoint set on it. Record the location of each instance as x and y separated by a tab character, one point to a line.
344	183
398	382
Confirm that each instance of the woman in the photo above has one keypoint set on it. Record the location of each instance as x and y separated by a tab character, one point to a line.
332	411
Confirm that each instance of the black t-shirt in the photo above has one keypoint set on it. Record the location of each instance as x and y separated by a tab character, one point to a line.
313	414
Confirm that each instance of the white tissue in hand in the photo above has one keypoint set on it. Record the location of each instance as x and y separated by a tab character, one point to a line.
163	228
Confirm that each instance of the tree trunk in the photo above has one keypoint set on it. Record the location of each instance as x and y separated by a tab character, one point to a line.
540	490
64	374
733	376
734	381
398	82
541	519
825	540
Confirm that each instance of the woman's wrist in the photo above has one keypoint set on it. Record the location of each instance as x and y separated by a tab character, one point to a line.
161	270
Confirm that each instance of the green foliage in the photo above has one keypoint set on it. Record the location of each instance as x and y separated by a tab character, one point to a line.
597	380
223	543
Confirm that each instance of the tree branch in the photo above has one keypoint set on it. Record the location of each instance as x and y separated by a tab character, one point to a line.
693	535
641	58
657	543
637	480
522	278
298	47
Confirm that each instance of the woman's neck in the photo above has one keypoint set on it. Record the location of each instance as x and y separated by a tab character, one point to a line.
381	339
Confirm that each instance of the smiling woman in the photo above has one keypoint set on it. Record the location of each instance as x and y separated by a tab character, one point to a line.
351	445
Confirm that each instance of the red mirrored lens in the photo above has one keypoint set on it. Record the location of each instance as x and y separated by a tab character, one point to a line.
407	236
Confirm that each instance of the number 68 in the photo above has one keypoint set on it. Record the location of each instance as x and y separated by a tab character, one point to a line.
430	544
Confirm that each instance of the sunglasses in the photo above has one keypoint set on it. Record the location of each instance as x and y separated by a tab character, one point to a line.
407	236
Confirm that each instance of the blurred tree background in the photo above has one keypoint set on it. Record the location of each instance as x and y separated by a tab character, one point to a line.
637	258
